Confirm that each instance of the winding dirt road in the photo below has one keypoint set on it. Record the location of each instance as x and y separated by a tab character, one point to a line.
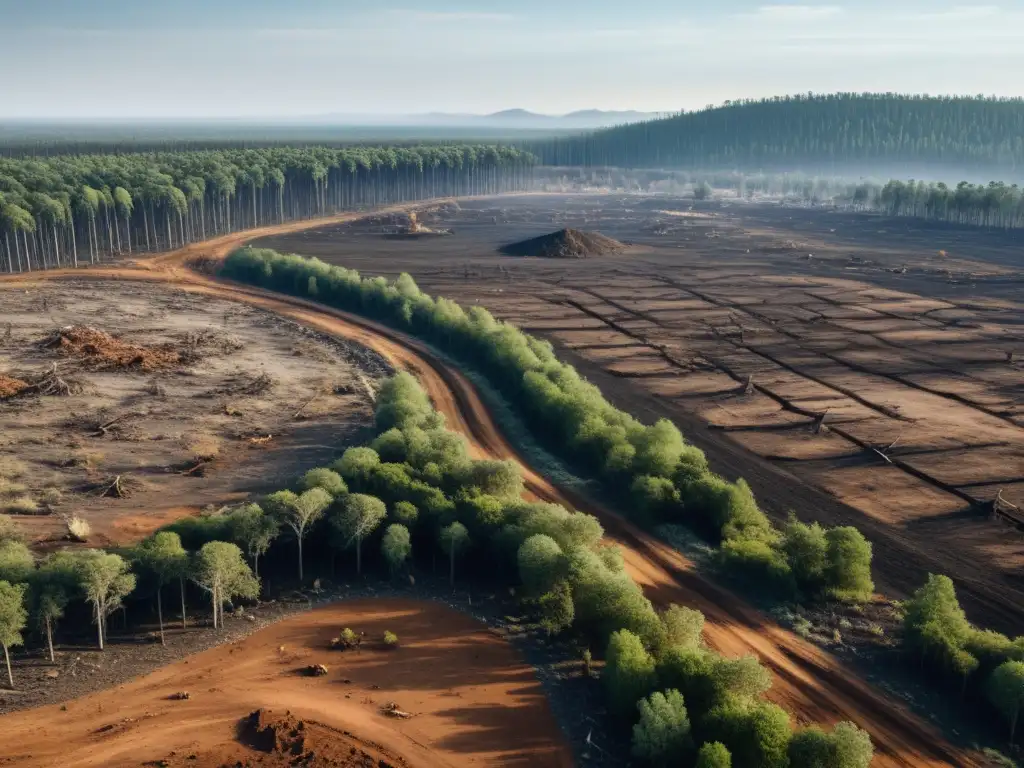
809	683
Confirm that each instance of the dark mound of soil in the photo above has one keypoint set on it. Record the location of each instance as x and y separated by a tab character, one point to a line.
565	244
271	740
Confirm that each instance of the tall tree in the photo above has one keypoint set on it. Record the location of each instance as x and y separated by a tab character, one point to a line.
221	570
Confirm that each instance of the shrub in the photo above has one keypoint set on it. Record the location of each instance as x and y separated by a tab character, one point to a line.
390	639
628	673
846	747
806	551
684	627
662	736
541	563
757	565
756	735
848	572
9	530
78	528
557	611
1006	692
713	754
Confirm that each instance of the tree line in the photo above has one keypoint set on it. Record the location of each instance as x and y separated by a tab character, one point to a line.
663	478
843	130
415	491
652	471
65	210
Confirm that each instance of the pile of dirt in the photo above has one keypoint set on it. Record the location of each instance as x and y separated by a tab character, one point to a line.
284	740
101	351
565	244
11	387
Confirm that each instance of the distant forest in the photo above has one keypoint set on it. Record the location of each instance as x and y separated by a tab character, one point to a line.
862	133
60	211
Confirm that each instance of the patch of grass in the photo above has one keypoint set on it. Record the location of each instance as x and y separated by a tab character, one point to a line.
802	627
19	505
51	497
9	488
9	530
78	528
12	468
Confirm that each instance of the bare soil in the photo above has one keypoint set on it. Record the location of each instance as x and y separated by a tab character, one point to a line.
812	684
161	403
471	698
854	317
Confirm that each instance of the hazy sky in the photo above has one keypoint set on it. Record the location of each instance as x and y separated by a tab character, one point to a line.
189	58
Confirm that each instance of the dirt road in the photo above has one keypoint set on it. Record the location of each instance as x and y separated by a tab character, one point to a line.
472	698
809	683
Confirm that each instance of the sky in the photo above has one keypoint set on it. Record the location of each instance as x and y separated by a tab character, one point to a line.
285	58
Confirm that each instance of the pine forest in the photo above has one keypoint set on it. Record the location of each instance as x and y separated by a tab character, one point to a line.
68	210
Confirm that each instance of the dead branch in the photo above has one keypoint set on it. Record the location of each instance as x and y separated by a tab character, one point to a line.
819	423
261	440
49	382
886	458
115	490
305	405
199	468
103	429
749	389
893	443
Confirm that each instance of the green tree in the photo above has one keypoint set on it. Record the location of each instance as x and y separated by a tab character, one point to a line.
254	531
405	513
321	477
756	735
662	736
356	466
396	546
933	621
806	548
541	563
454	538
629	672
298	513
52	585
105	580
1005	690
358	517
220	569
713	754
16	562
164	557
684	627
848	571
13	617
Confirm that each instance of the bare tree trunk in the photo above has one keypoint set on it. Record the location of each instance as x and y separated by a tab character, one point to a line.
49	640
184	621
6	656
160	614
299	539
451	575
99	625
359	555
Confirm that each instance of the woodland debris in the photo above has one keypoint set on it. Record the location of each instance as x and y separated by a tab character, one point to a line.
11	387
391	709
101	351
316	670
50	383
180	696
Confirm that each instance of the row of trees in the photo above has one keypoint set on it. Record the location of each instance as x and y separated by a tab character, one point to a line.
415	488
667	479
845	130
65	210
661	477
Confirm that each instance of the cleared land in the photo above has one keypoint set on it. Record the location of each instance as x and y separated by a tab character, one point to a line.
812	684
165	402
471	698
913	352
